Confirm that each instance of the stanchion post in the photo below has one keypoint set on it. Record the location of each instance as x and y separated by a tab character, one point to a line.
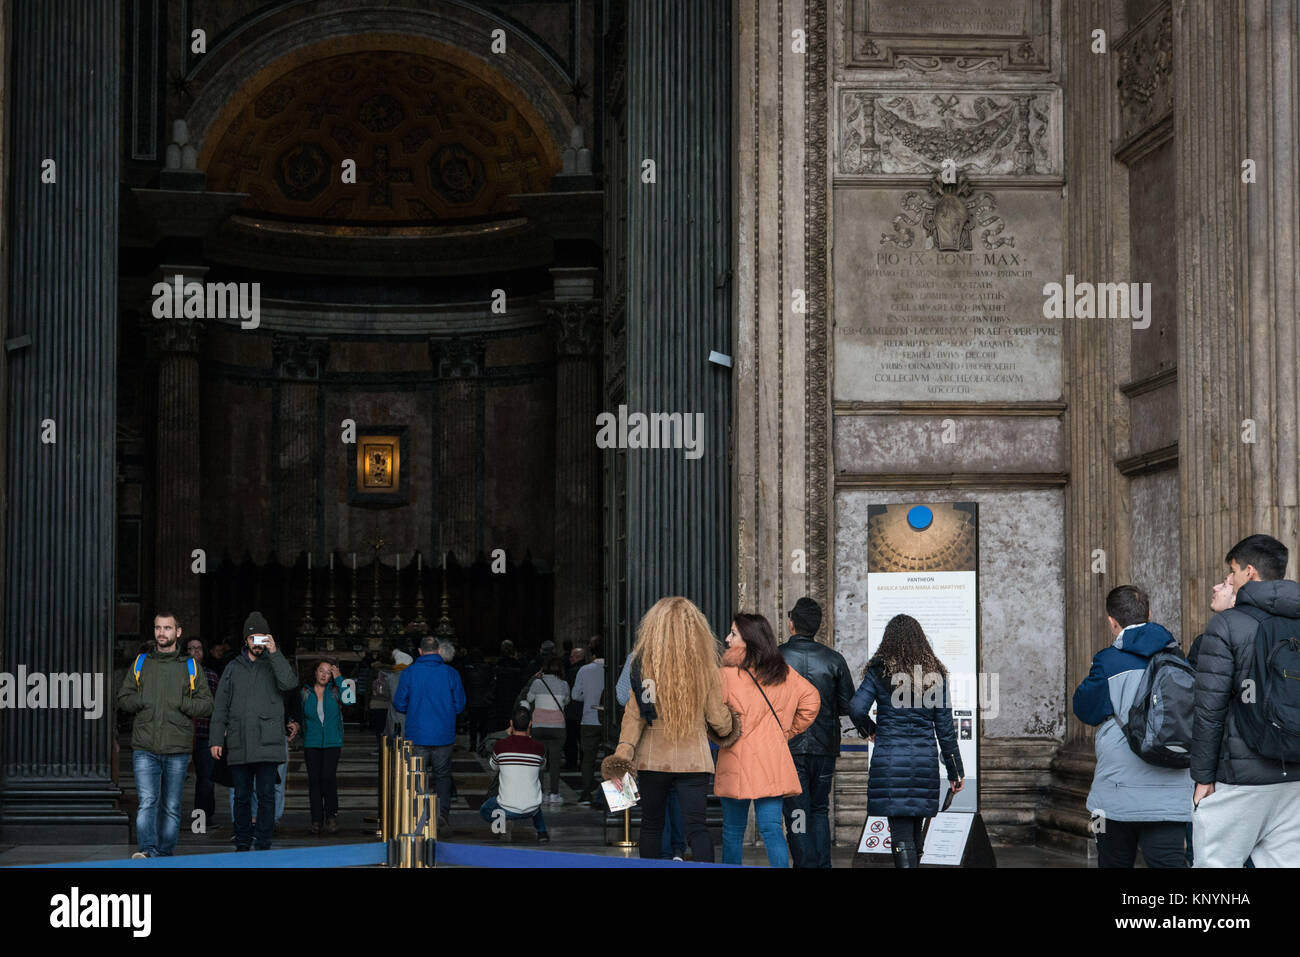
430	831
415	801
627	830
393	804
394	786
409	789
385	790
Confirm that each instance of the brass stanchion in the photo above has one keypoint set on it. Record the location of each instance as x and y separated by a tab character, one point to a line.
385	789
627	830
430	830
408	807
408	760
393	801
414	800
408	854
394	760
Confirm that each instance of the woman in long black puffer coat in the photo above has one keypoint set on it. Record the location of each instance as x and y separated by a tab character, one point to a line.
909	687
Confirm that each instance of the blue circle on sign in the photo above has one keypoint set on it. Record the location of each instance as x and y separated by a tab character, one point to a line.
920	517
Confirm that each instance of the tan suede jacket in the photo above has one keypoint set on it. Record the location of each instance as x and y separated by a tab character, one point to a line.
647	749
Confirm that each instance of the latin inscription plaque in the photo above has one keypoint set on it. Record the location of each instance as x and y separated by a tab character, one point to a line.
938	294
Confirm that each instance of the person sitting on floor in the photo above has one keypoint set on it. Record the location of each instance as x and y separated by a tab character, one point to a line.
518	759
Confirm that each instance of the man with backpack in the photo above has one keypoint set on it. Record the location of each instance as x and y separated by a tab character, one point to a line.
165	691
1140	694
1245	756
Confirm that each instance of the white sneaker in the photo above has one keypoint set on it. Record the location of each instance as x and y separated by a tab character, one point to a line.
557	798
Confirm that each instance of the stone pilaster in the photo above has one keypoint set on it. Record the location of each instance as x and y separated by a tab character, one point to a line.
177	528
1096	510
1215	342
679	233
578	336
781	424
1272	272
4	305
57	769
299	361
1096	497
459	363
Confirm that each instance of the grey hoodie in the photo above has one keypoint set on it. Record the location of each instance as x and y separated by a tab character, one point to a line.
1124	787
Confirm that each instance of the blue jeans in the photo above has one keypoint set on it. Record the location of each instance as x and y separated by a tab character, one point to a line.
491	805
810	841
767	815
159	781
674	841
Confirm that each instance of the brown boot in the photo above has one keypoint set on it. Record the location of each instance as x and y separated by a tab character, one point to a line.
332	825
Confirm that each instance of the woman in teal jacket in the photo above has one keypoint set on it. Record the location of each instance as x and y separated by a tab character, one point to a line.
322	741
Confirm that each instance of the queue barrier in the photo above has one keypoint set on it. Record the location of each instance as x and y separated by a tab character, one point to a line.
372	854
408	831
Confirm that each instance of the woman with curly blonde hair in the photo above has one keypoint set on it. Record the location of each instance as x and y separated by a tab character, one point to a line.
676	704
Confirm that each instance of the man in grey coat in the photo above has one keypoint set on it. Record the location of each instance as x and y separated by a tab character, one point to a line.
1246	805
248	724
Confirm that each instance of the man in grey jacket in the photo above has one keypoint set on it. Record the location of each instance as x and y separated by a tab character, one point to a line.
1133	804
248	724
1246	805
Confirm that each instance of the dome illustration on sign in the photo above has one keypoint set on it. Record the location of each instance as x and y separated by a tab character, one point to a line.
918	538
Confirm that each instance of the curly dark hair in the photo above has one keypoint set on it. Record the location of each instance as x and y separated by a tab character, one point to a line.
903	649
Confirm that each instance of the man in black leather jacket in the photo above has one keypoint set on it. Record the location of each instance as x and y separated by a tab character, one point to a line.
807	817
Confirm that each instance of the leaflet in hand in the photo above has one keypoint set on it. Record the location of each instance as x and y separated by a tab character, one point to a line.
621	796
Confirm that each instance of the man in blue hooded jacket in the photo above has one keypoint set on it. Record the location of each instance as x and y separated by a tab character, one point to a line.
430	694
1133	804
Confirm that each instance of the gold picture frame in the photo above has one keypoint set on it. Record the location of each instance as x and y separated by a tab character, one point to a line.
379	464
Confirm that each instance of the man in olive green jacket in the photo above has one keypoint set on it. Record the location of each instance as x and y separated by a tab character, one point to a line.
165	703
248	725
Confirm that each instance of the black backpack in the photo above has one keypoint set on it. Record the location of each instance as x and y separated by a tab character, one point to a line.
1159	728
1270	725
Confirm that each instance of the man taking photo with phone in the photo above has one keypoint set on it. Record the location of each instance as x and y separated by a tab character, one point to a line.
248	726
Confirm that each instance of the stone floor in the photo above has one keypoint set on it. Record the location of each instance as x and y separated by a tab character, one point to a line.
572	828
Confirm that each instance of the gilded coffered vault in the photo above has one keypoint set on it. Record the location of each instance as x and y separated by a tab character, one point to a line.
433	141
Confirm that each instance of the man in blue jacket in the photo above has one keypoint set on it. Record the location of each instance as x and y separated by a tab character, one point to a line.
1133	804
430	694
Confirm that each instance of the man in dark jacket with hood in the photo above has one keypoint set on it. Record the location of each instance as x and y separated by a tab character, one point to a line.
165	703
807	817
1246	805
1133	803
248	725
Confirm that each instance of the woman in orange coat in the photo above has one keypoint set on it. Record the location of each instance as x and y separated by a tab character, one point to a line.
774	703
